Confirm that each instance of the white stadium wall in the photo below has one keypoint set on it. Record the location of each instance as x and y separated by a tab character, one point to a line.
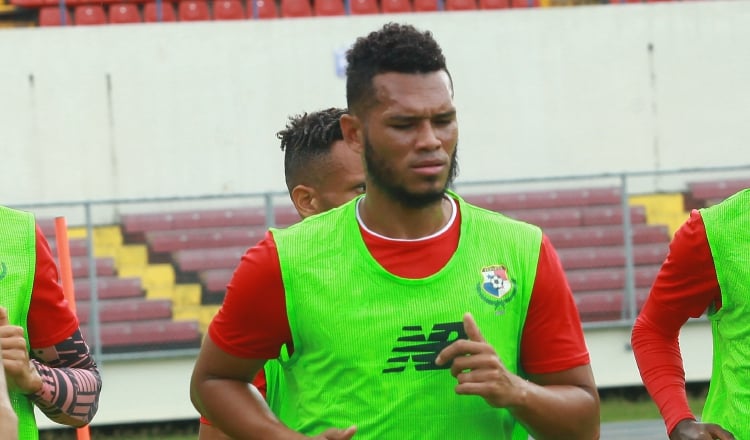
192	108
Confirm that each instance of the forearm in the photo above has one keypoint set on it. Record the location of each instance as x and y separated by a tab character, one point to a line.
8	423
249	416
69	396
8	418
660	364
558	412
70	382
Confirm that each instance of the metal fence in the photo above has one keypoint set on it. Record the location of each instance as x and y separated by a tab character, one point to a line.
93	213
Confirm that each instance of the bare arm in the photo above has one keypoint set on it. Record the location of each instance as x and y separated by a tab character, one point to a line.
220	388
8	418
210	432
562	405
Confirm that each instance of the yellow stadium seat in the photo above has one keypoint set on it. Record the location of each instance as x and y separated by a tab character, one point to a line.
187	294
664	209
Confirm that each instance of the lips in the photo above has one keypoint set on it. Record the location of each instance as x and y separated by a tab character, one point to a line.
429	167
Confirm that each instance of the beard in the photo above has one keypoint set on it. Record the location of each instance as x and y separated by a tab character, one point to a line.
384	177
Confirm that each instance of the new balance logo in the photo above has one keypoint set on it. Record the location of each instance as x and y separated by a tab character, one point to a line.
422	350
3	270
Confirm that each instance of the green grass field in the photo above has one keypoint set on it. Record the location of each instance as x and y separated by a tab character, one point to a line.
616	406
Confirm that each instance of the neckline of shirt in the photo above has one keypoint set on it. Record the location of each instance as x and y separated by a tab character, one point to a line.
442	230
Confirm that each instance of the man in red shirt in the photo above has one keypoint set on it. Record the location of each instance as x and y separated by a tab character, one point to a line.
686	286
321	173
408	230
47	360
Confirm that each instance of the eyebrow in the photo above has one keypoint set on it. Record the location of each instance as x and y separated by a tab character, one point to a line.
398	117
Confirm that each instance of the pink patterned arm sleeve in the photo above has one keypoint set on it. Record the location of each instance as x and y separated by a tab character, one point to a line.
70	382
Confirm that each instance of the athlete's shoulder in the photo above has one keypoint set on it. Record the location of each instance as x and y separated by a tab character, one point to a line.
328	221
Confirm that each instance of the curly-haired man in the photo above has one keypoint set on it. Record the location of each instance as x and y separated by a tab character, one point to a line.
410	314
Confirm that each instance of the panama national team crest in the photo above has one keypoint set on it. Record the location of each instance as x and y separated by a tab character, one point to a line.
496	287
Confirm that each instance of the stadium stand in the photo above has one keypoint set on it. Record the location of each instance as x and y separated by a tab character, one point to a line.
164	273
137	302
585	224
220	10
709	192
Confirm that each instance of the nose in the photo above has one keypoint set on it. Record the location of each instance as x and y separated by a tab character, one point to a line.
426	136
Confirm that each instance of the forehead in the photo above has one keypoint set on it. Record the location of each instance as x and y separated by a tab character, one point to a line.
343	159
419	93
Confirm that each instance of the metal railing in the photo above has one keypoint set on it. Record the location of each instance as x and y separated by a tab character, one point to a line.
85	213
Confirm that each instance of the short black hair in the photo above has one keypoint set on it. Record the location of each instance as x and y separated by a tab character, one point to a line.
393	48
308	137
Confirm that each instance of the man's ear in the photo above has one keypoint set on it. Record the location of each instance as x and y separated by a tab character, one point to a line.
305	200
351	129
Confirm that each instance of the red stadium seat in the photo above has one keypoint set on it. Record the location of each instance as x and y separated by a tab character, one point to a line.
215	280
587	280
109	287
494	4
218	217
151	12
612	256
86	15
425	5
607	215
128	309
707	193
170	241
124	13
118	337
264	9
295	8
361	7
395	6
105	266
31	3
605	235
460	5
547	199
193	10
605	304
190	260
329	7
524	3
229	10
76	246
549	218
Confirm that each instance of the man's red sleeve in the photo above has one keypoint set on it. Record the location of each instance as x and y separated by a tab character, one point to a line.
50	320
552	339
252	322
684	287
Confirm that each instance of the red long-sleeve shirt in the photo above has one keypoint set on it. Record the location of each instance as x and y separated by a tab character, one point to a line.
685	287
